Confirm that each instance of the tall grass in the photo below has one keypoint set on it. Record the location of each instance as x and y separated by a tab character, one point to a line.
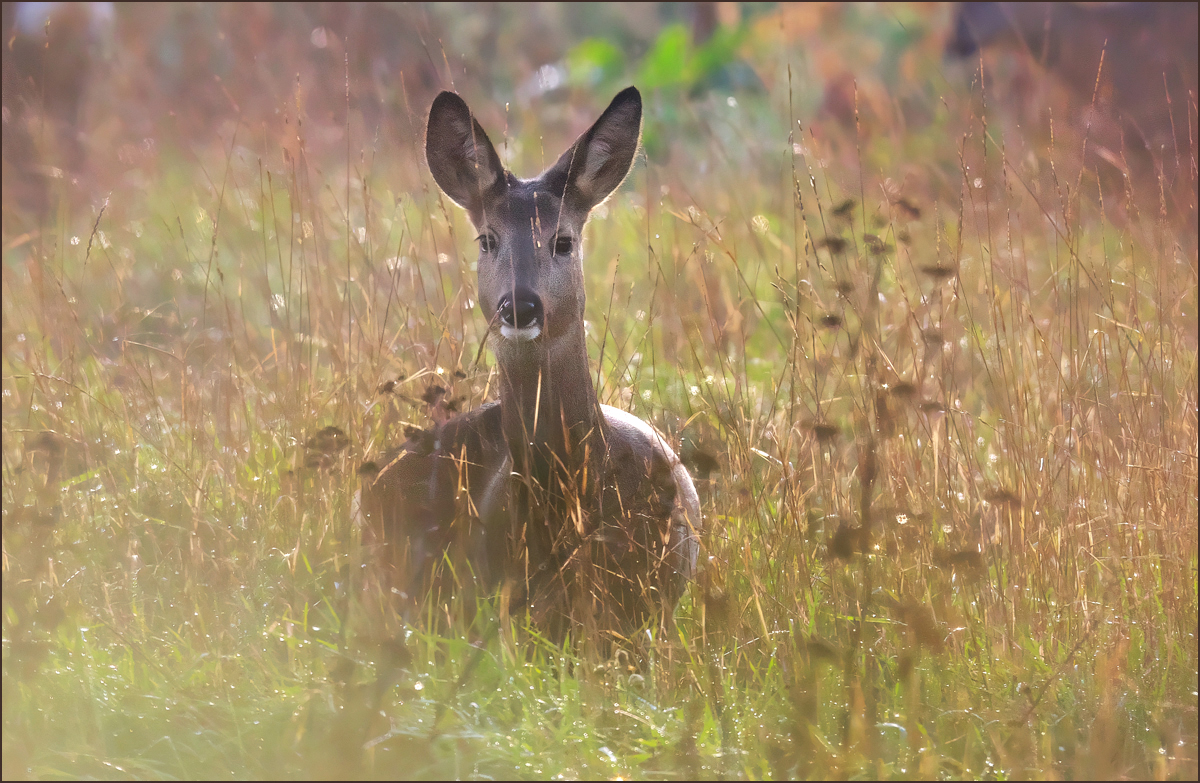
937	387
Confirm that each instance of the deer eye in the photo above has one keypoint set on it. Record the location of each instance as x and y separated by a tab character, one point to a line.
563	245
487	243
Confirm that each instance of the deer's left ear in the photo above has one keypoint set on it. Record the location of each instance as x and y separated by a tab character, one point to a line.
600	159
460	156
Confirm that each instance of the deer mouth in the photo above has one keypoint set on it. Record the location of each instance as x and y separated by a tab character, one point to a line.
520	334
521	315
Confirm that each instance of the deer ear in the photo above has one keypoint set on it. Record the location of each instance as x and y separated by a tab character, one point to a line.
461	158
600	159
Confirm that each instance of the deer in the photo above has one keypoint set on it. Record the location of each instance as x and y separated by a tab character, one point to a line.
580	512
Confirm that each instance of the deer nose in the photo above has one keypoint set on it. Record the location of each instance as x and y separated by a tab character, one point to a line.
520	309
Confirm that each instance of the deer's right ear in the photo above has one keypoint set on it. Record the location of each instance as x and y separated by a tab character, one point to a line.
461	158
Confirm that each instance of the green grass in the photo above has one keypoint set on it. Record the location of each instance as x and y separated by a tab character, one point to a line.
1001	388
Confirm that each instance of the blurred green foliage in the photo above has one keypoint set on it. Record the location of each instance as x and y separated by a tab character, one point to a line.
673	64
595	63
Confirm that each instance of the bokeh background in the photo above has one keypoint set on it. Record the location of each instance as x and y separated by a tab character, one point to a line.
912	289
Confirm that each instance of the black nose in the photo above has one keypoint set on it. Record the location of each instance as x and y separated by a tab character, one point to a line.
520	309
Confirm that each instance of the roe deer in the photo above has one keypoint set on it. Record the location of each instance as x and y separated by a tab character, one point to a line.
577	510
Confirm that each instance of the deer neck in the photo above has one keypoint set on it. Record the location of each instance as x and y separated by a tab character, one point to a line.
550	413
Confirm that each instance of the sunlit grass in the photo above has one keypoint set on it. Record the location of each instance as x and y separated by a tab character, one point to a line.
941	408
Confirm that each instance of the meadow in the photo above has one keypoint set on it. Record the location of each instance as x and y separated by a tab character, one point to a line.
935	378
